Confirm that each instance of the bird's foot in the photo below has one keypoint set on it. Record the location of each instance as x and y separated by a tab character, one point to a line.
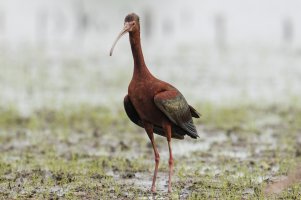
153	189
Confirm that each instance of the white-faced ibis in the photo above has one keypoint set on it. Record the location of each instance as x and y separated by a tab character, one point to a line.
155	105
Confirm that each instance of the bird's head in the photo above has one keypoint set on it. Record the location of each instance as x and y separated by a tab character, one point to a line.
131	21
131	25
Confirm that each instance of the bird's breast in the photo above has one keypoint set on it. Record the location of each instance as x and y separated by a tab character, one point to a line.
142	97
141	94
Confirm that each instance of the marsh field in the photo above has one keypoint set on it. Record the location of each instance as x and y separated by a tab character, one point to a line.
64	133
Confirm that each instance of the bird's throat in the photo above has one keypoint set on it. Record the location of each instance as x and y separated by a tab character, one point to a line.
140	68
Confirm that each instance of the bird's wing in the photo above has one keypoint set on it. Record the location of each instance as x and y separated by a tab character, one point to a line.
134	117
131	111
173	104
194	112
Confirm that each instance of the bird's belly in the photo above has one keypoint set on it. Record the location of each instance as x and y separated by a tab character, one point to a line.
147	110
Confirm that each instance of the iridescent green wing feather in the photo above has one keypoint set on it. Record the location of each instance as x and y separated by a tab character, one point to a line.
173	104
134	117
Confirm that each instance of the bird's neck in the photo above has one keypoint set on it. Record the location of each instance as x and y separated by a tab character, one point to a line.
140	69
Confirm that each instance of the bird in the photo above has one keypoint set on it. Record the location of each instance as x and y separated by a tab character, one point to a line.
153	104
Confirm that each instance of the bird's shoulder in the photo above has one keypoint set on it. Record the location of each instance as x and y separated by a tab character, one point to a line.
165	86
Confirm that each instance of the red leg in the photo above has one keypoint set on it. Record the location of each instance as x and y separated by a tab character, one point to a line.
167	129
149	130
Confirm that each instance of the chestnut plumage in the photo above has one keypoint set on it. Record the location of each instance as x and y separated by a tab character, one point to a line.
152	104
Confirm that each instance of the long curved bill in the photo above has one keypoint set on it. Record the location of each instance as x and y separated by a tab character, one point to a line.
125	29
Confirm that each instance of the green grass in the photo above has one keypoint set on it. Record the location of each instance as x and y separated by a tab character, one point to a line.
95	152
80	117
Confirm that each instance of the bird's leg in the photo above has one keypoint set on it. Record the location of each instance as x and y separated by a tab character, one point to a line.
167	129
149	130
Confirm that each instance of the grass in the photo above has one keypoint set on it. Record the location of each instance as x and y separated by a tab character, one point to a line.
95	152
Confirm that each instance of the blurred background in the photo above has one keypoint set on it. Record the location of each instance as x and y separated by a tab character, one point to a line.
63	130
55	52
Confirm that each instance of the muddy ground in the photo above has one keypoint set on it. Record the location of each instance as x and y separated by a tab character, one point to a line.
88	152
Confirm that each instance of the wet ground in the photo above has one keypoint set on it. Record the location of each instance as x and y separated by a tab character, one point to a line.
86	152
